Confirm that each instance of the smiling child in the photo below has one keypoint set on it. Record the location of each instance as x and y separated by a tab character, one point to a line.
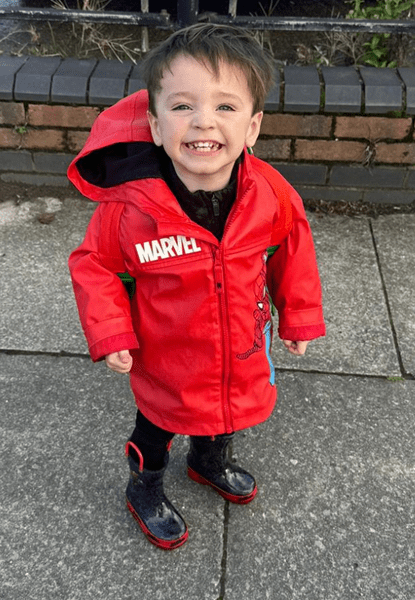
212	236
203	121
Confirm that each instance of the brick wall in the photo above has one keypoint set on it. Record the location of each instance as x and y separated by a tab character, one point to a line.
333	134
338	157
38	141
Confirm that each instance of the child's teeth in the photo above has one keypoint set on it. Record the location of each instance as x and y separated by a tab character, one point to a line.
205	146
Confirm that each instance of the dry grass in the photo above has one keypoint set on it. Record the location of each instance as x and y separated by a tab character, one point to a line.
81	40
90	37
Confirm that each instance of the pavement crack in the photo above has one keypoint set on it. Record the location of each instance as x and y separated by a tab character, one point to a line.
60	354
388	306
337	373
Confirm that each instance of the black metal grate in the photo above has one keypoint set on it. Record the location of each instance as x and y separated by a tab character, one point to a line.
187	13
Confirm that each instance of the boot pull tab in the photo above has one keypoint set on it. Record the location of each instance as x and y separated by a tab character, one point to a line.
131	445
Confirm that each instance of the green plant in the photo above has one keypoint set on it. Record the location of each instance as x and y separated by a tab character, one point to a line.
21	130
377	48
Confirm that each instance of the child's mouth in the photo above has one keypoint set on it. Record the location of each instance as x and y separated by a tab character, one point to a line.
204	146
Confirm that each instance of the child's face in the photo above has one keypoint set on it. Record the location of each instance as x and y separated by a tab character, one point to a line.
204	122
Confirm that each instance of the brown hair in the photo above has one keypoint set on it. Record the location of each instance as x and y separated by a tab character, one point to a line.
212	43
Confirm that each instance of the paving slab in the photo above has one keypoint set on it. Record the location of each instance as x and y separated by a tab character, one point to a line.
65	530
395	235
359	336
38	308
39	312
334	517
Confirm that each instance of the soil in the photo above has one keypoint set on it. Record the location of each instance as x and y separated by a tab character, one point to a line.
125	42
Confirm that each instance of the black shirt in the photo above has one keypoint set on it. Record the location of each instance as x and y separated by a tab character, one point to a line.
208	209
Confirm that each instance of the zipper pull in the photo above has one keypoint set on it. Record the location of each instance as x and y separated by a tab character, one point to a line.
218	273
218	279
216	206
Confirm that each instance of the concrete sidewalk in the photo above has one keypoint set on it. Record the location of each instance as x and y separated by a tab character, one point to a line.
334	518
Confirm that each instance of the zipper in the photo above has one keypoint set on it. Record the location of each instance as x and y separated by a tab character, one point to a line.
219	280
226	346
231	216
215	206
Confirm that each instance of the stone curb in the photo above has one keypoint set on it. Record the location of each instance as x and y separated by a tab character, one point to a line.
364	90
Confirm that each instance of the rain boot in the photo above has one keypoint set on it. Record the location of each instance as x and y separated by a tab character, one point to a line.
161	523
207	463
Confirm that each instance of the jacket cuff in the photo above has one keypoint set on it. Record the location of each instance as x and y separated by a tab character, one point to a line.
115	343
304	333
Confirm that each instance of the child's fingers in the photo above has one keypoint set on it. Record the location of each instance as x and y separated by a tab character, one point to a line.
120	362
125	356
125	361
112	362
301	347
297	348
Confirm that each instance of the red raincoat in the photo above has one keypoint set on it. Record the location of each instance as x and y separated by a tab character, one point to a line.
199	323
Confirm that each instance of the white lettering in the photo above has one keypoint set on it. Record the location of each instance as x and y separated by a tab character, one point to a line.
177	244
195	248
187	245
166	244
157	250
165	247
144	252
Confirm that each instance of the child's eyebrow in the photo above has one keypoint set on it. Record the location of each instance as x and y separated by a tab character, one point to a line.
229	96
220	96
175	95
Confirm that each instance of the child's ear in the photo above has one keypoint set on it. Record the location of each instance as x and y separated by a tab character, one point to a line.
253	129
155	130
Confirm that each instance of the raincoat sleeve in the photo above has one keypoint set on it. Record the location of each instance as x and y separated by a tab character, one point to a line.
102	300
293	280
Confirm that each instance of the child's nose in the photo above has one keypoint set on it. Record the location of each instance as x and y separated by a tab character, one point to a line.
204	119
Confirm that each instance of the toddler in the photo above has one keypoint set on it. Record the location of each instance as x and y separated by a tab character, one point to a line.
213	238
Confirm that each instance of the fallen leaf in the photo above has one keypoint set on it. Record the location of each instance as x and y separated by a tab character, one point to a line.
46	218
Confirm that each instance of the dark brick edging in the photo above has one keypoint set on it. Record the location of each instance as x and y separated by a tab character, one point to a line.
314	96
351	183
351	90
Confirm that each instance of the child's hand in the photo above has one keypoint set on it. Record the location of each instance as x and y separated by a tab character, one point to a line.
297	348
120	362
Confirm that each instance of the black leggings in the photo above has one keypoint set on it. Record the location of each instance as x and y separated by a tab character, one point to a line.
151	440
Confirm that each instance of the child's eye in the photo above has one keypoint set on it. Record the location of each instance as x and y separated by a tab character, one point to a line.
225	107
181	107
